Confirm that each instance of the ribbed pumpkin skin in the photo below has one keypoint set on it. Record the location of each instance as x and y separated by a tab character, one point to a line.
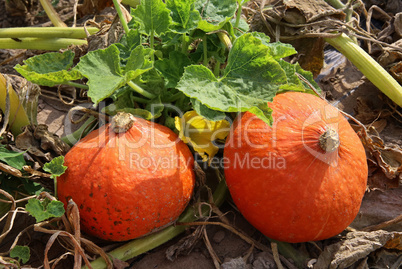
298	193
129	184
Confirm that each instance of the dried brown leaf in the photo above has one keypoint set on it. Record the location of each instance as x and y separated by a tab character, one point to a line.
395	243
40	143
185	245
380	207
355	247
387	157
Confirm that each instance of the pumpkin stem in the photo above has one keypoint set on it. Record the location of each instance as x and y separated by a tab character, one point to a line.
122	121
329	140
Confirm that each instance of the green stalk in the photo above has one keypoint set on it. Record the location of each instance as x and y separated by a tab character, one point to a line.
184	46
238	13
47	32
140	100
85	128
336	4
151	43
121	16
77	85
217	68
144	244
174	97
140	90
368	66
289	252
205	48
40	43
52	13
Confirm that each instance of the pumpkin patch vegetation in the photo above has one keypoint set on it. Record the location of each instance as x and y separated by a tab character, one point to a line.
301	179
129	178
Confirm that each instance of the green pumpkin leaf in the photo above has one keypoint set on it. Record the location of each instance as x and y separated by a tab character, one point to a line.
42	210
215	13
206	112
106	75
14	159
278	50
49	69
55	167
22	253
250	80
185	16
129	42
172	68
152	17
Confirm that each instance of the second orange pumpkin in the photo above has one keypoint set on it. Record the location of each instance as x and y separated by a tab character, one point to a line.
301	179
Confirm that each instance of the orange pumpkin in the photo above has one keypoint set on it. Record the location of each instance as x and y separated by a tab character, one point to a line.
301	179
129	178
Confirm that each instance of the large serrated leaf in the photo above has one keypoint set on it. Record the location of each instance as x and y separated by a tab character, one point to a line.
172	68
49	69
278	50
152	16
251	78
215	13
105	74
185	16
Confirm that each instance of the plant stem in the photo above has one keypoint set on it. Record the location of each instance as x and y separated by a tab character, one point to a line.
238	14
184	46
85	128
40	43
368	66
151	43
205	48
52	14
77	85
144	244
46	32
288	251
139	100
217	68
121	16
140	90
336	4
174	97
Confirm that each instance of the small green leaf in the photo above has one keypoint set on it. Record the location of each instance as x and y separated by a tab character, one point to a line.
152	16
215	13
184	15
55	167
14	159
172	68
22	253
49	69
42	210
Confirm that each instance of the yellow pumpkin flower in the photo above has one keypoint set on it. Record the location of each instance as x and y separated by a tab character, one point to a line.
200	133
